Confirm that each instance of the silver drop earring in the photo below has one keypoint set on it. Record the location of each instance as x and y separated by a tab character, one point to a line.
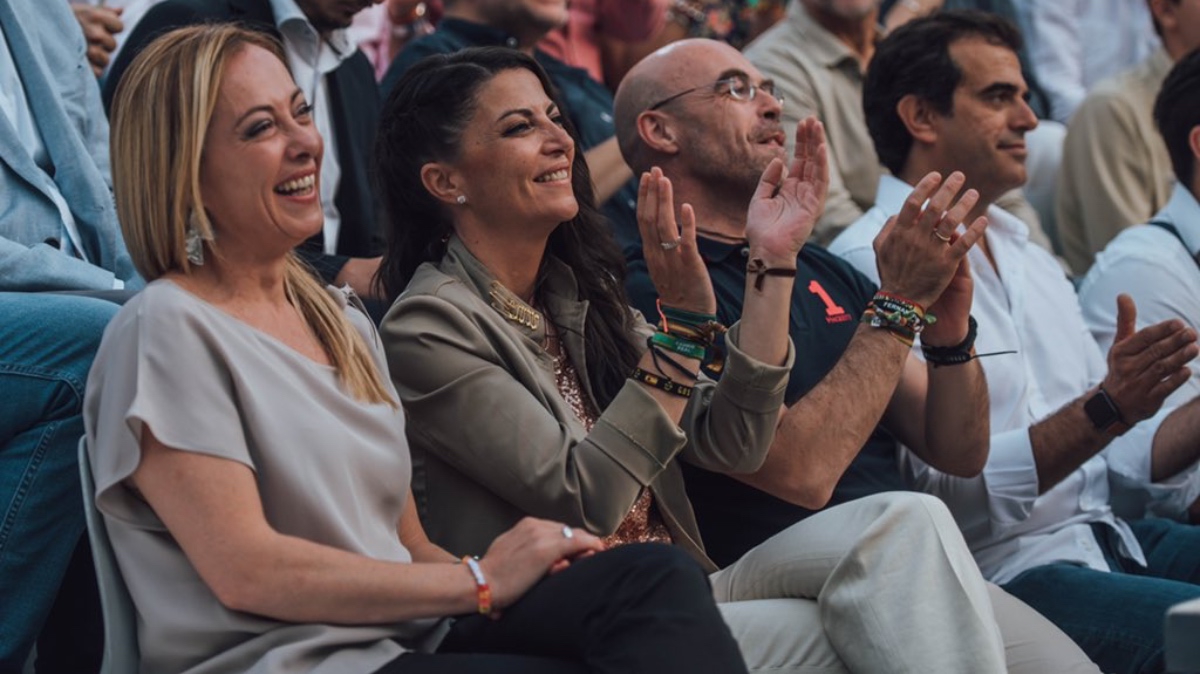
192	241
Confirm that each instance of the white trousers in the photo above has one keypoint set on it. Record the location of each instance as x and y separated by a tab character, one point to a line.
881	584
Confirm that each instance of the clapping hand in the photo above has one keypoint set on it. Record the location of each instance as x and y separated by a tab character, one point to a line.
788	201
921	257
674	262
1145	366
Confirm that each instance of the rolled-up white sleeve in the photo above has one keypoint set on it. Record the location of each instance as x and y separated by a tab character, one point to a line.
1134	493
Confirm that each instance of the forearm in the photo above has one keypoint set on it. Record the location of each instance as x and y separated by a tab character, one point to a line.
609	170
1062	442
809	454
300	581
957	419
1177	443
765	312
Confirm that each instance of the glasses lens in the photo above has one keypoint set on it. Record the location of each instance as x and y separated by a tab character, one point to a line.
740	88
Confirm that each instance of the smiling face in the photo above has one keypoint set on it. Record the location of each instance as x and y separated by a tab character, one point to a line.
724	141
261	159
984	135
514	163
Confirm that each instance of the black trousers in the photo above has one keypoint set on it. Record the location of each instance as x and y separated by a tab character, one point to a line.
643	608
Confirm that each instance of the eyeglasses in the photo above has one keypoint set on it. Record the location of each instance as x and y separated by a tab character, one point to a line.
739	89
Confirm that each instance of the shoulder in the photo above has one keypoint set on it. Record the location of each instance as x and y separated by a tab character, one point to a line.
1138	254
435	304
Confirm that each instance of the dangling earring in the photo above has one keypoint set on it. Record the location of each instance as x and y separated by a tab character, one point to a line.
192	241
461	199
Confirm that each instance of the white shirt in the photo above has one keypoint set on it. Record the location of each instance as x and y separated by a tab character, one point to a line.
1154	268
310	59
16	111
1073	44
1029	307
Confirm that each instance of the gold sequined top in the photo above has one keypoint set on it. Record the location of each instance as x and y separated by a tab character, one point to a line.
643	523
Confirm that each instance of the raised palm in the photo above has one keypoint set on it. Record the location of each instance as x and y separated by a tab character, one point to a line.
788	201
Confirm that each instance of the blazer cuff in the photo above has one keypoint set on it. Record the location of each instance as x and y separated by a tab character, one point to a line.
636	433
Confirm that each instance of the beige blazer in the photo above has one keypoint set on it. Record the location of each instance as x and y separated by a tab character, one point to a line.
493	440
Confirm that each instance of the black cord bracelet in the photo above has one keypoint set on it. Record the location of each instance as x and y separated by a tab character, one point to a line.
665	384
960	353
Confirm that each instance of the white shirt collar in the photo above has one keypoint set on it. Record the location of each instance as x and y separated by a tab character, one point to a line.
1183	211
304	39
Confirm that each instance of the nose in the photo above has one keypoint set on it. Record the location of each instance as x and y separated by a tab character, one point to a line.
557	139
1025	119
769	106
305	141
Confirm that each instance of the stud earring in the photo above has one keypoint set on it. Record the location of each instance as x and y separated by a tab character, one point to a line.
461	199
193	243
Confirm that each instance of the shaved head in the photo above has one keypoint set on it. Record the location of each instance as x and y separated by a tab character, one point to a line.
664	73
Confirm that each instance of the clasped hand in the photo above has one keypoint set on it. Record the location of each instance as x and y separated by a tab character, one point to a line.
922	257
780	218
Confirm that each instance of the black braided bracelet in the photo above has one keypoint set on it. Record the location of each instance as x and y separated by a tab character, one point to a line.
960	353
665	384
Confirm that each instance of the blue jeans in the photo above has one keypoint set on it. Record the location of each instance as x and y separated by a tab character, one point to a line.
47	343
1116	617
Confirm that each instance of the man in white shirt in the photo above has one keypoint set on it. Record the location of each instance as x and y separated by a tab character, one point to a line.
340	83
946	93
1158	264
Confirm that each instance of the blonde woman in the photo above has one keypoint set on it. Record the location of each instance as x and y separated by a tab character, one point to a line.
250	459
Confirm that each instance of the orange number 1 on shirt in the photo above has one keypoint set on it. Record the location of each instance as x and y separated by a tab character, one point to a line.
831	308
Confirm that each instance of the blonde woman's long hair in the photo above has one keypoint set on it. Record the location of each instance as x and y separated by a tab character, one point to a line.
160	116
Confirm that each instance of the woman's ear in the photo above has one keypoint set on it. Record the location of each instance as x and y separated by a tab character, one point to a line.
919	118
443	183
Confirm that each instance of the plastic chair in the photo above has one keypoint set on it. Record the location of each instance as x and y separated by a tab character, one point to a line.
121	655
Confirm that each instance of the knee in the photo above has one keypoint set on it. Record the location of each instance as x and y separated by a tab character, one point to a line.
660	566
916	510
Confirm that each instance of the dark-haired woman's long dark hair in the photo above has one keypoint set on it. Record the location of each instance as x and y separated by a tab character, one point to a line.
423	121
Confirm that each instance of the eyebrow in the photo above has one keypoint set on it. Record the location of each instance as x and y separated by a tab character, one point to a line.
1000	88
525	112
733	72
265	108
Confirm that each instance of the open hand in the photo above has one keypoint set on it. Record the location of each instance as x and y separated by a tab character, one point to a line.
674	262
523	555
1145	366
788	201
918	252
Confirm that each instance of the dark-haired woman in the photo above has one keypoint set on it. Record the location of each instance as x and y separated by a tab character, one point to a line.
250	459
532	390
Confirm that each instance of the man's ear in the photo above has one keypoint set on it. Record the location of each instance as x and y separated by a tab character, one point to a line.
657	130
442	182
1163	12
1194	142
919	118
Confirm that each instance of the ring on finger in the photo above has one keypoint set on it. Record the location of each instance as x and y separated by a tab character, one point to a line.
942	237
567	532
672	245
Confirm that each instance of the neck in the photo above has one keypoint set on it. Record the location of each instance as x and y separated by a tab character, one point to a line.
719	215
857	34
1176	48
513	260
527	40
231	280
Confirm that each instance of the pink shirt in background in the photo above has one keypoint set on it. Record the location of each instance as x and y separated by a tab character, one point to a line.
578	42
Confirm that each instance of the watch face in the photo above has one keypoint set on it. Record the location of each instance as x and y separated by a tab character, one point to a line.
1101	411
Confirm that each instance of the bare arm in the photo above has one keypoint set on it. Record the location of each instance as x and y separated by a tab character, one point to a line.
212	508
1177	442
810	454
608	168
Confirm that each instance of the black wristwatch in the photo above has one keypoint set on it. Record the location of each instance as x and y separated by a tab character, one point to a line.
1103	412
